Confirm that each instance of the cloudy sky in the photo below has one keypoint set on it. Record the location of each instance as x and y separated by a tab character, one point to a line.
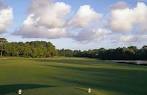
75	24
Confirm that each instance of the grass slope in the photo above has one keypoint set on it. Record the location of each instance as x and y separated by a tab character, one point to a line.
70	76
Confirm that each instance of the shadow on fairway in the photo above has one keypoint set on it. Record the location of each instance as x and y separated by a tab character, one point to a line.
116	80
13	88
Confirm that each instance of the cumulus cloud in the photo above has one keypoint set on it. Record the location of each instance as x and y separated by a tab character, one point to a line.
49	14
119	5
84	16
52	20
48	19
90	35
128	38
45	20
6	17
125	19
141	16
121	20
31	29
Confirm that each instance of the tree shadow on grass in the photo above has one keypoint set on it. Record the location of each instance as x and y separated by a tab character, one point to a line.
110	79
118	90
13	88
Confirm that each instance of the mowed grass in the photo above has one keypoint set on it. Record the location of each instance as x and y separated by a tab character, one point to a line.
70	76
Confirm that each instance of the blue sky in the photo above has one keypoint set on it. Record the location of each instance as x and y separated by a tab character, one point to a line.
20	13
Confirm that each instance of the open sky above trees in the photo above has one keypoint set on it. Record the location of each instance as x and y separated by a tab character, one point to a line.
75	24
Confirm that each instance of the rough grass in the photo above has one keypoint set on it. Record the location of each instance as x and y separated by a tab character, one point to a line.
70	76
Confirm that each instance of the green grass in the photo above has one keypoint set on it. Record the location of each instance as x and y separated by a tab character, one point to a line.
70	76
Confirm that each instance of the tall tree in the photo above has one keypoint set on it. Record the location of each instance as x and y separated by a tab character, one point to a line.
2	43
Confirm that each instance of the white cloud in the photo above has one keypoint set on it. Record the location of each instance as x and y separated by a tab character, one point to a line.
50	20
128	38
45	20
121	20
119	5
90	35
141	16
6	17
124	20
31	29
84	16
53	15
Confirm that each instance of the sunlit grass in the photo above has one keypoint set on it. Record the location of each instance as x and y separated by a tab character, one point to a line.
70	76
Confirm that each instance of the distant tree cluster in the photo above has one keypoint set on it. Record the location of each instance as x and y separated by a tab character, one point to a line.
46	49
27	49
125	53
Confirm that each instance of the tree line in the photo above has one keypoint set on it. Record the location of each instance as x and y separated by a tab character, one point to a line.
124	53
38	49
28	49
